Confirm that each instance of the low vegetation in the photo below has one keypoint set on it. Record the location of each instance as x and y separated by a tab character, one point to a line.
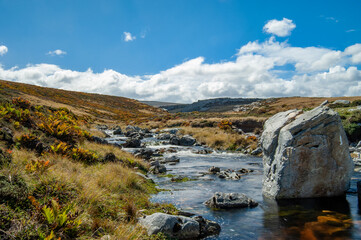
56	183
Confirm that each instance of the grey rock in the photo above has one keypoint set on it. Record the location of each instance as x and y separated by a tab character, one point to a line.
214	169
172	159
164	136
117	131
207	227
187	141
305	155
178	227
157	168
344	102
170	130
324	103
99	140
145	153
358	144
230	200
174	140
132	143
257	151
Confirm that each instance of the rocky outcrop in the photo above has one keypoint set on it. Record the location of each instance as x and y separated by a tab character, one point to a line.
230	200
179	227
305	155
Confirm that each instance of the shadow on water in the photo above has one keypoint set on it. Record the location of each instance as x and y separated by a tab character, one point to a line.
319	218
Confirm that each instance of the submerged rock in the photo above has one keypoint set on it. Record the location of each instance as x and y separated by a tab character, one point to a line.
230	200
179	227
305	155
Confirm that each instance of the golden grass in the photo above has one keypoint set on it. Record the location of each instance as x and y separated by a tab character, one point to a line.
220	139
109	196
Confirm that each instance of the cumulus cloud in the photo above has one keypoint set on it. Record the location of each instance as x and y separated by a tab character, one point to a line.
261	69
128	37
56	52
281	28
3	50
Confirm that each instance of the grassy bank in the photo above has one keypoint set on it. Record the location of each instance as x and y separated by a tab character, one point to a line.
55	182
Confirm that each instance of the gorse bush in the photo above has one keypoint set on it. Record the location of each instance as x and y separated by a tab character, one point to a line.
22	103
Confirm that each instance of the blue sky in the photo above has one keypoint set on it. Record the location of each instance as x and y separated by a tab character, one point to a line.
165	34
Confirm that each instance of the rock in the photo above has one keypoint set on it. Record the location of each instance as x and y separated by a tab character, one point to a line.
145	153
102	127
137	135
214	169
305	155
157	168
117	131
172	159
170	130
358	144
99	140
207	227
230	200
244	170
164	136
257	151
131	130
187	141
178	227
324	103
174	140
132	143
342	102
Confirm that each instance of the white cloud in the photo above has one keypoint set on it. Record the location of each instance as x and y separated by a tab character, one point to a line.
261	69
3	50
351	30
128	37
280	28
56	52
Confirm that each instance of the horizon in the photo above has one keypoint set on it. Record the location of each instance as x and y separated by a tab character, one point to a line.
182	52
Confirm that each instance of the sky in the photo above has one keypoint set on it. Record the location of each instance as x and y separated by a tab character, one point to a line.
184	50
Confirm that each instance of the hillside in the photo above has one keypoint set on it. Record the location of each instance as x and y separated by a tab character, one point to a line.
102	107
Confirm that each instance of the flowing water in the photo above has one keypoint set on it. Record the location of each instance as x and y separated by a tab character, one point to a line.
331	218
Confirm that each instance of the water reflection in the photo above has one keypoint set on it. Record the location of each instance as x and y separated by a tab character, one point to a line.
321	218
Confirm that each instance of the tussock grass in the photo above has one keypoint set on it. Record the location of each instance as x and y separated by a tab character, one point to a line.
220	139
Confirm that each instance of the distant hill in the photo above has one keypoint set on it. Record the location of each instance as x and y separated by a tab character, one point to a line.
210	105
158	104
103	107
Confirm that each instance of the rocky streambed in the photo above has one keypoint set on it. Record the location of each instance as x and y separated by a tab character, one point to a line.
192	174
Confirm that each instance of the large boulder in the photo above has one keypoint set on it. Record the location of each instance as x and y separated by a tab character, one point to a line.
230	200
179	227
305	155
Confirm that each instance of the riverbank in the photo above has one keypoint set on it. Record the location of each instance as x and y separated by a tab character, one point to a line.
56	181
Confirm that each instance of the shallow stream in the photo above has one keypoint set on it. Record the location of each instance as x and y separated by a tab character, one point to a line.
331	218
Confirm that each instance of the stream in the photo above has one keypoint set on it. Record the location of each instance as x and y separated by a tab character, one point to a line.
329	218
